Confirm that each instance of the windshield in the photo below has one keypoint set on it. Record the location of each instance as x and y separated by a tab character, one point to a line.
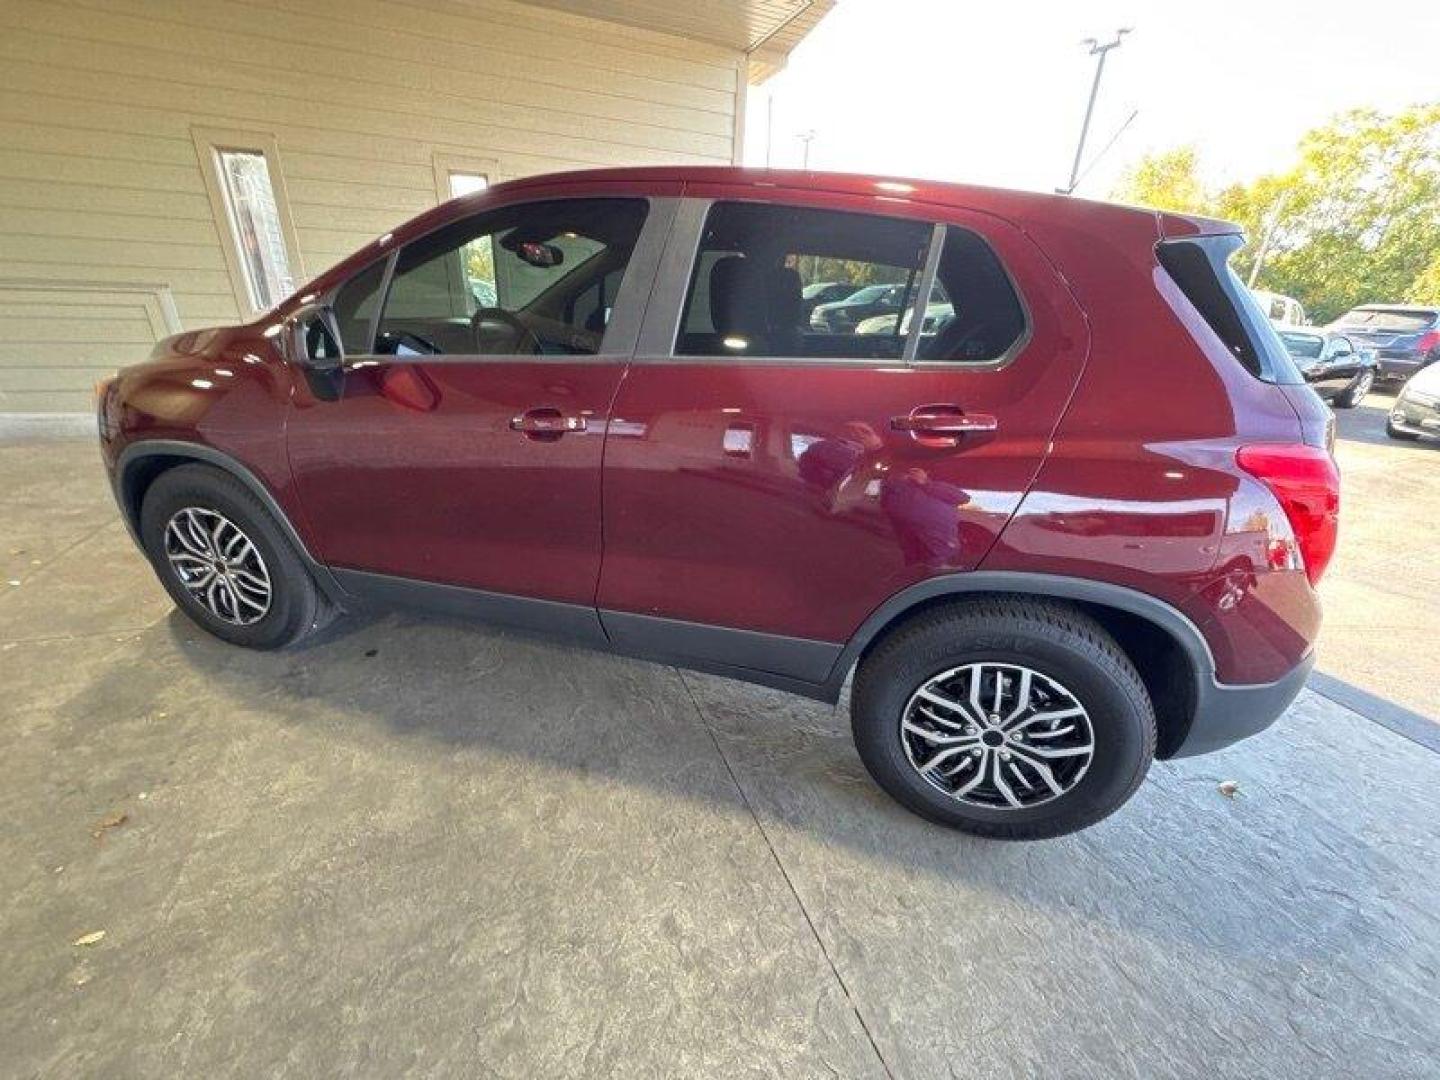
1303	346
1388	319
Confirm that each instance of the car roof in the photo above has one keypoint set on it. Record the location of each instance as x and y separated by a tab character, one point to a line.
1002	201
1021	207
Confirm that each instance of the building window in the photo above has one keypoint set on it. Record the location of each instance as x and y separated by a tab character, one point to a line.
246	186
255	226
467	183
463	174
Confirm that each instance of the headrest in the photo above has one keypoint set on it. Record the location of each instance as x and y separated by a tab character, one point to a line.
783	299
737	297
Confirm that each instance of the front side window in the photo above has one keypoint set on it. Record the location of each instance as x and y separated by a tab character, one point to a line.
538	278
763	271
354	307
255	225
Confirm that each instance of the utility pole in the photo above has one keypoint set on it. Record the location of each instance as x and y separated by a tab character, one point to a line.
1102	51
1265	241
805	137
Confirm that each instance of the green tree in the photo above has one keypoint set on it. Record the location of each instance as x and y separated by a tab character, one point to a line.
1356	219
1169	180
1426	288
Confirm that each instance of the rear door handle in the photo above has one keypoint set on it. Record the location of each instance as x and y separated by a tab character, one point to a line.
546	424
944	421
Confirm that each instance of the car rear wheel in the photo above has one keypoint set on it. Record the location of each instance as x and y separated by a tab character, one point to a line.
225	561
1009	718
1356	394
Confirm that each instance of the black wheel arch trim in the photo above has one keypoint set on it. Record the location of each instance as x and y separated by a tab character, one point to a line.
979	582
176	448
1222	713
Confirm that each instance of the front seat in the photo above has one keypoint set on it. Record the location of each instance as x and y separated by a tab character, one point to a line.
737	304
758	305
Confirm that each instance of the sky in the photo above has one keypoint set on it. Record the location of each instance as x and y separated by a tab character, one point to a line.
994	93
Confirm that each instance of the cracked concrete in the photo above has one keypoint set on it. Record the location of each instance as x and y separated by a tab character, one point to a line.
422	847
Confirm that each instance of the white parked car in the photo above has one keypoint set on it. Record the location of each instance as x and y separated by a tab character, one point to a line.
936	316
1281	309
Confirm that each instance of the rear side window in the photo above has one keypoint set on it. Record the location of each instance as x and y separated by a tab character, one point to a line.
751	289
1200	266
974	315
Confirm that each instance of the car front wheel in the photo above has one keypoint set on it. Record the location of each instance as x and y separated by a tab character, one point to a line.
225	561
1009	718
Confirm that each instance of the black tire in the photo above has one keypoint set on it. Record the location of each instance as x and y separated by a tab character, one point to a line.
1051	638
1396	433
1356	393
296	607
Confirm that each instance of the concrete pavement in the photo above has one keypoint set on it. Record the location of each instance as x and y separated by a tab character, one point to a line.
427	848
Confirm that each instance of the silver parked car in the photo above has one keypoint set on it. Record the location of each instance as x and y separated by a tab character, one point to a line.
1416	411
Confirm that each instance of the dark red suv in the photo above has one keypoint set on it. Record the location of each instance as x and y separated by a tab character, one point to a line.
1060	513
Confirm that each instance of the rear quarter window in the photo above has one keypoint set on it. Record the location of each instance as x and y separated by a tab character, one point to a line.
1200	267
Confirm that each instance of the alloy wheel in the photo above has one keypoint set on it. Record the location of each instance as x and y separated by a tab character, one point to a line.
999	736
218	565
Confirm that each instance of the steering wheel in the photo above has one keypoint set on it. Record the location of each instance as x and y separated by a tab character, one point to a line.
522	338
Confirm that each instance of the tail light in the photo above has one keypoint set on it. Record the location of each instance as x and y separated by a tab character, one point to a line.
1306	483
1431	340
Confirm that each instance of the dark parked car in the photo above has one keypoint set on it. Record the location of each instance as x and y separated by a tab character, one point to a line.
1339	372
864	304
1046	555
824	292
1405	337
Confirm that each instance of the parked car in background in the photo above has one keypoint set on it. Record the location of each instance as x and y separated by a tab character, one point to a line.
937	317
1405	337
845	315
1416	410
1279	309
1046	558
824	292
1339	372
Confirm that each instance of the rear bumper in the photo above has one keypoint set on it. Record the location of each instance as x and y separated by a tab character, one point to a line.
1399	366
1225	714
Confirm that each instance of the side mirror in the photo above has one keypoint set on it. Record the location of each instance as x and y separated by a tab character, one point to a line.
315	339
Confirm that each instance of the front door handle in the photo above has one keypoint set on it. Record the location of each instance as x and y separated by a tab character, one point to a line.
546	424
947	422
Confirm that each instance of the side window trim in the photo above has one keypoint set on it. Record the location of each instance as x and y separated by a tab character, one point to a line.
381	297
631	301
920	302
661	326
1027	330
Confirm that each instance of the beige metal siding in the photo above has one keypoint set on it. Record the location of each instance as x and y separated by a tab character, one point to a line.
100	182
